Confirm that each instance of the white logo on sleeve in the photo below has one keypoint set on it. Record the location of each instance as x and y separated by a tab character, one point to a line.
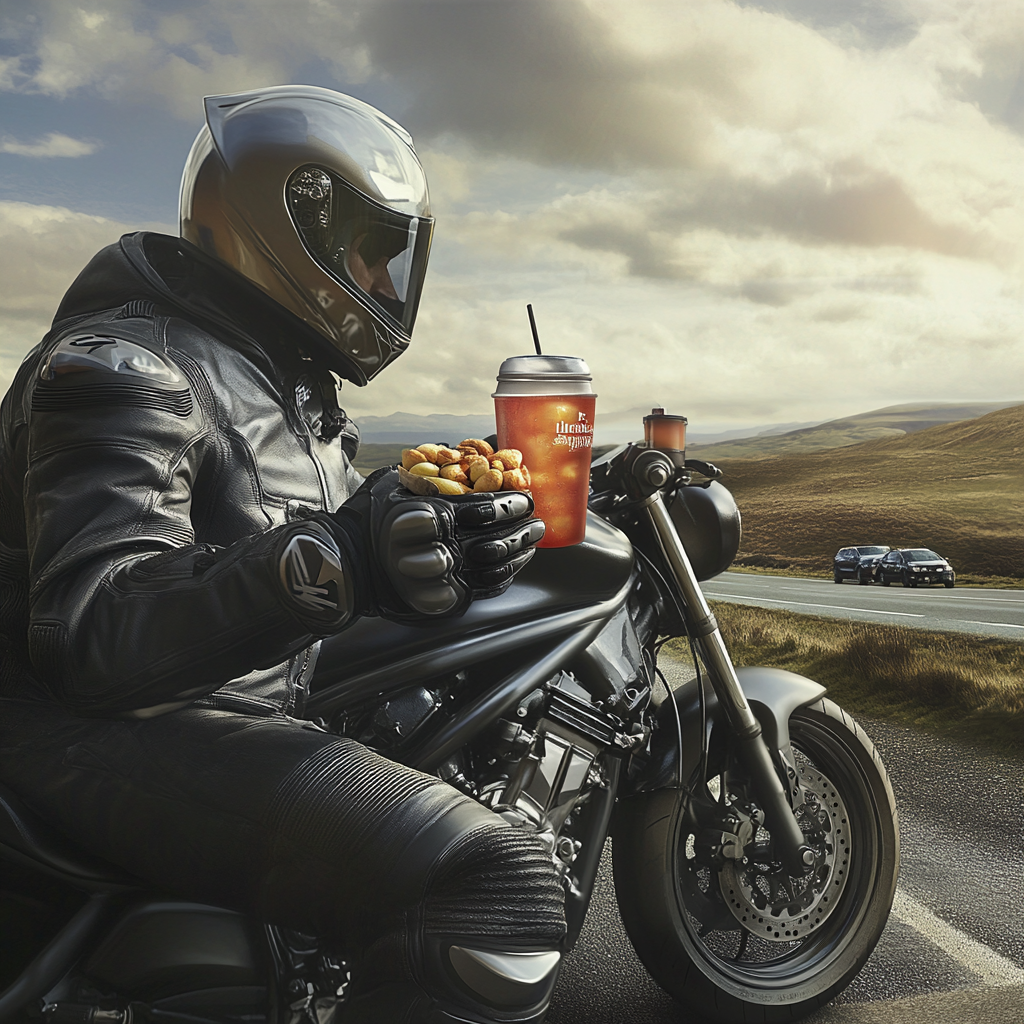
312	574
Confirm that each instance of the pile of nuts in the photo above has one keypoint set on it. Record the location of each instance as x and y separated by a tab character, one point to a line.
473	466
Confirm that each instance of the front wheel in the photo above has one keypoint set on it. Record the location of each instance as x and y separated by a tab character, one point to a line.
740	940
948	585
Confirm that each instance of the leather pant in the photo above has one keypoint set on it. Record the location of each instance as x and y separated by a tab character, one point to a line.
290	824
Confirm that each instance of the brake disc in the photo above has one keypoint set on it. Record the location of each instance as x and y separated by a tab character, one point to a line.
769	902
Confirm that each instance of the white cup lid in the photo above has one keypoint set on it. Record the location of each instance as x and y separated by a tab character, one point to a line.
544	375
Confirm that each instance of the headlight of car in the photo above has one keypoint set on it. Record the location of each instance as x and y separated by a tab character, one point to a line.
915	568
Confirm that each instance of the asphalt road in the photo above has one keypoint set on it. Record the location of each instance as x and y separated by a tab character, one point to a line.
953	950
963	609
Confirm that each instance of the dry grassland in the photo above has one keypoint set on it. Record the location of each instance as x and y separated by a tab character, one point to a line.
951	683
957	488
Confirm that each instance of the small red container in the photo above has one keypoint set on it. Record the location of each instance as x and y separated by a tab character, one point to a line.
665	431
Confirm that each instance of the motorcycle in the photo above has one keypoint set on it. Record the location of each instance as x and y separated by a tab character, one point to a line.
754	833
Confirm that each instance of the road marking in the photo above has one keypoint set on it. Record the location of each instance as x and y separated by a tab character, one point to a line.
805	604
993	969
948	597
966	593
1009	625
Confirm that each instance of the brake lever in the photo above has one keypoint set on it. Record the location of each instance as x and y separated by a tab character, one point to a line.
708	469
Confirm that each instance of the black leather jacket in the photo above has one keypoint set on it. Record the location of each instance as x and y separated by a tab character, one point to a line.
154	447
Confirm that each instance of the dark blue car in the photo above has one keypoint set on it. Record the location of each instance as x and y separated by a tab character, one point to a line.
857	563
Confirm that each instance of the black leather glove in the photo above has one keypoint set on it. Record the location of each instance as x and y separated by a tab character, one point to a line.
415	556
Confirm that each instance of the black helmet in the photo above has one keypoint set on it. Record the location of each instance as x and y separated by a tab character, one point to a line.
321	202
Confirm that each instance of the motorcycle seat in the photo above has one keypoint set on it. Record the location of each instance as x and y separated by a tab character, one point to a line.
28	839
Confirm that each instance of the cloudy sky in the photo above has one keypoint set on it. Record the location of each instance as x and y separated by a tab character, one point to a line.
750	212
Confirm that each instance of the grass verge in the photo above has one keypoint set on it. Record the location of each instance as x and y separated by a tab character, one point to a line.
952	684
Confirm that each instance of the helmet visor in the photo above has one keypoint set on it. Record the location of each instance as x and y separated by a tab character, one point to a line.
375	252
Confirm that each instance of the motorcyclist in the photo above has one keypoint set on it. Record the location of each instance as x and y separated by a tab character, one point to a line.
181	525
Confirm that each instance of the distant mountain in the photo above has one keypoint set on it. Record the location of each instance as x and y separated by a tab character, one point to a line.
409	429
892	421
612	428
404	429
628	425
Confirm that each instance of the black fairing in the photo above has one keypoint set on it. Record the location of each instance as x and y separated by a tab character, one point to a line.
555	582
708	523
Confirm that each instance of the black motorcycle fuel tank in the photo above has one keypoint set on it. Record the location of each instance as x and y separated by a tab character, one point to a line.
557	591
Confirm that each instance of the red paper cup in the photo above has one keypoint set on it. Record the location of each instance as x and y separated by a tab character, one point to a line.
544	406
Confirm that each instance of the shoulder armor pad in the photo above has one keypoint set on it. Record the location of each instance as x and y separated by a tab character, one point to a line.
79	353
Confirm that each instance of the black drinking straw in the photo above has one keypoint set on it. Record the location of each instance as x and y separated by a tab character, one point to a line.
533	327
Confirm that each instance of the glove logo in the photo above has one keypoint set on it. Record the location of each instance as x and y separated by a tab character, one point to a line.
312	575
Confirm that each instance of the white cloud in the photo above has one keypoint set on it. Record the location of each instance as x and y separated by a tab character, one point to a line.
775	329
122	50
707	199
42	249
51	144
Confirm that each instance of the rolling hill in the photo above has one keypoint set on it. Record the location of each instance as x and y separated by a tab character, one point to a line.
957	488
891	422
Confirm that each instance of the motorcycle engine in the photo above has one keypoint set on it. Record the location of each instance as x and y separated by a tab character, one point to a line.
538	766
537	770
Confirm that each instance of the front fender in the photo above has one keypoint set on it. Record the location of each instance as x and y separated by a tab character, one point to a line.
773	694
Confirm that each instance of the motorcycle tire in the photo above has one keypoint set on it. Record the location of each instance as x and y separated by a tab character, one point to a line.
948	586
836	578
861	580
675	908
906	581
884	581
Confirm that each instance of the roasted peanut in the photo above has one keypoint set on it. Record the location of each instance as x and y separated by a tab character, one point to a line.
489	481
512	457
447	455
514	480
412	457
453	471
473	466
448	486
430	451
473	445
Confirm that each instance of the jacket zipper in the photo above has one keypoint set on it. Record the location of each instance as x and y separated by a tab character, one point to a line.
321	476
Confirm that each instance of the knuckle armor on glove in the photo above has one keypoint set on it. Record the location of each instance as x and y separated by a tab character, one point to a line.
432	556
440	554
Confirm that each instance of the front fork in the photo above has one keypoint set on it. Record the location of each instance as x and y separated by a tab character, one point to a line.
789	841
